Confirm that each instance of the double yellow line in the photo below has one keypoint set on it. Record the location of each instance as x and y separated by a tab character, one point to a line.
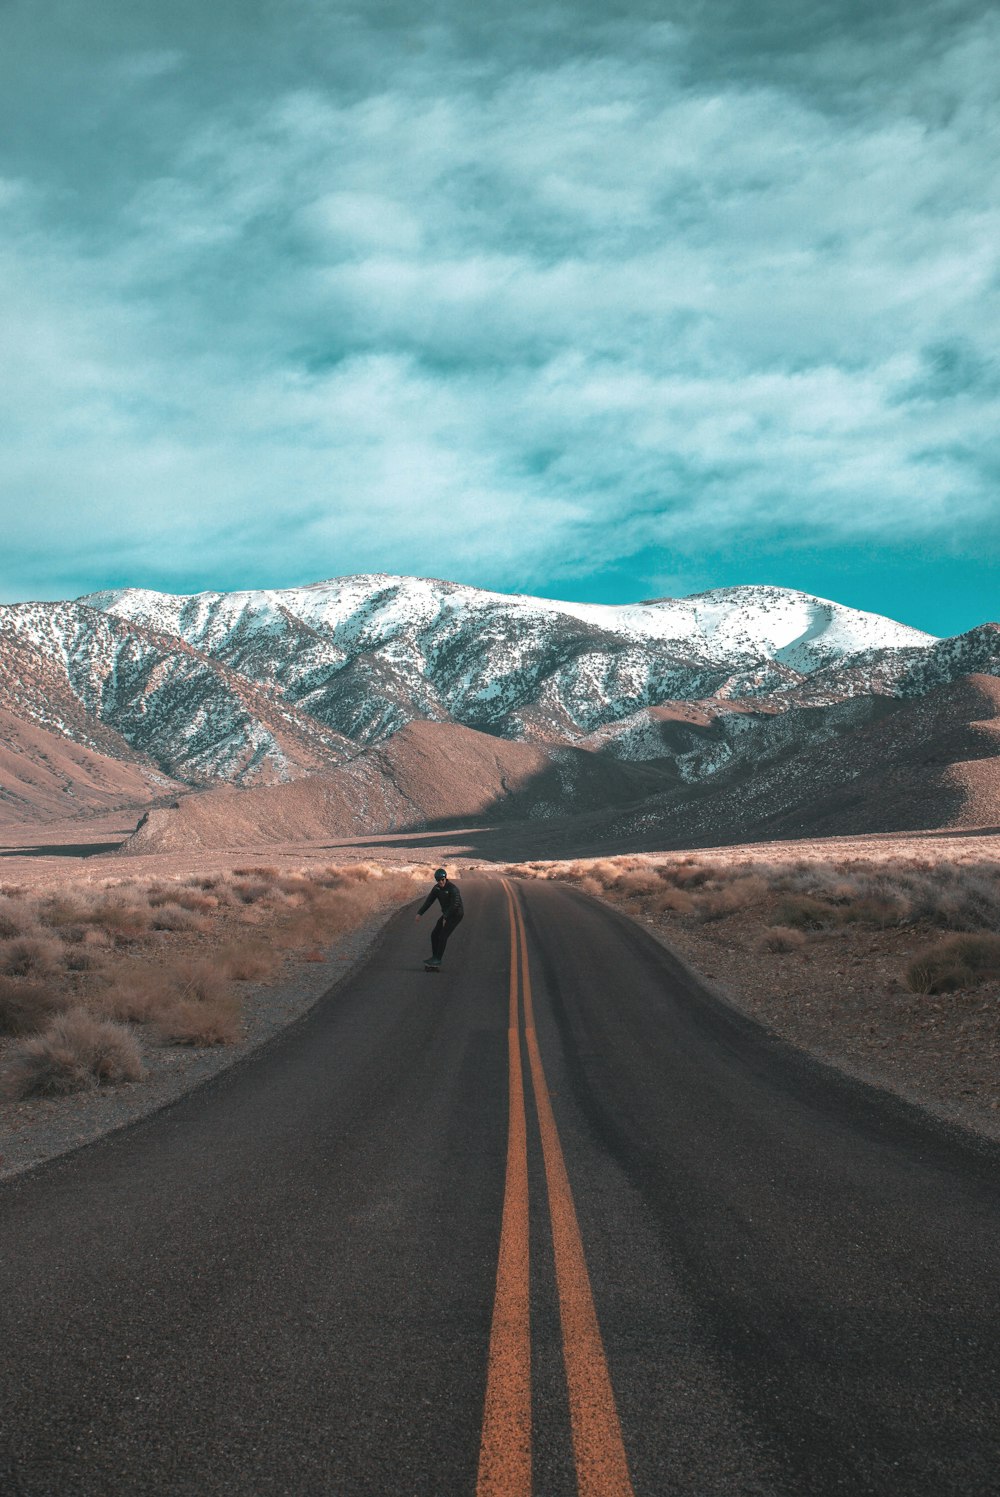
505	1449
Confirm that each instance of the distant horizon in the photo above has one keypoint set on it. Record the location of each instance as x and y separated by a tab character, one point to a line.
547	596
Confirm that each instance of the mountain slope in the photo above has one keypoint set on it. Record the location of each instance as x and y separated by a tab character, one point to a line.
874	766
46	777
121	689
364	655
428	774
723	710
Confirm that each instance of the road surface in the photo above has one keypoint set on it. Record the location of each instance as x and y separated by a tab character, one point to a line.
554	1220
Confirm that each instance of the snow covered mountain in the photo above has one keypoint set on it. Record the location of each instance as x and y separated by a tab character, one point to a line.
125	691
366	654
270	685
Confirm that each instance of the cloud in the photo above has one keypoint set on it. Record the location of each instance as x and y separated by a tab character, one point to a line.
511	318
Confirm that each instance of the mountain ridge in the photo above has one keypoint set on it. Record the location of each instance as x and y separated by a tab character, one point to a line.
270	686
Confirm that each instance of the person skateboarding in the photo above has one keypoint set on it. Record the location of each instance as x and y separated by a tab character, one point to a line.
449	898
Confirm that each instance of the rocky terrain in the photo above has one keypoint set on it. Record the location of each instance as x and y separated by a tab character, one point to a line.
134	694
868	764
378	703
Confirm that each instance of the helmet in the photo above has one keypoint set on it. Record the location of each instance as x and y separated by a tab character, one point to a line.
440	873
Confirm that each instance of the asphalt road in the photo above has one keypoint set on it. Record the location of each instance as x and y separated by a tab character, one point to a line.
293	1281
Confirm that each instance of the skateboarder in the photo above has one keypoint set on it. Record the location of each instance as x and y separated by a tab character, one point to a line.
449	898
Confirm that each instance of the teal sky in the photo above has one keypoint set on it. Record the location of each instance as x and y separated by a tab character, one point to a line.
592	300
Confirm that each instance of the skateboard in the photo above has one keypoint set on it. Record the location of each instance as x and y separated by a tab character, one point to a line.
432	966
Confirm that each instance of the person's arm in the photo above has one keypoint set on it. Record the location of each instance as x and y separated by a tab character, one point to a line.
427	903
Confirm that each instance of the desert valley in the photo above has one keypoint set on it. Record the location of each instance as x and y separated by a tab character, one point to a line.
801	800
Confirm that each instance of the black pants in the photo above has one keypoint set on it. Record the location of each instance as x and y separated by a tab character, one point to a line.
441	932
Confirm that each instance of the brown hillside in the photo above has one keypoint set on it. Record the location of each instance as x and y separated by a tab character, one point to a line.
889	766
45	777
426	775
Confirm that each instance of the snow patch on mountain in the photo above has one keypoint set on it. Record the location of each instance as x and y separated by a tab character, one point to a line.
266	685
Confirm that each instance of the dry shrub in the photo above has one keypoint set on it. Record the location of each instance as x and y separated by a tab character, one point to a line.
673	901
125	920
175	917
636	882
716	904
265	872
691	875
352	873
75	1052
880	912
304	930
252	891
340	902
27	1006
202	979
590	885
197	900
215	887
779	938
196	1021
189	1002
16	918
85	958
958	962
64	914
249	961
803	913
177	896
136	996
30	956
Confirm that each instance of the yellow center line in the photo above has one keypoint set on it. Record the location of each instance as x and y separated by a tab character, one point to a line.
505	1447
601	1465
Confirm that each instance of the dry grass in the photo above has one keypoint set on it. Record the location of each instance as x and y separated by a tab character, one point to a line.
780	938
77	1051
801	912
27	1006
810	895
166	955
173	916
30	956
123	919
195	1021
958	962
60	912
135	994
249	961
17	917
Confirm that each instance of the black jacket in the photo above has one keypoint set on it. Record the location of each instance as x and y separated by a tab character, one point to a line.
448	897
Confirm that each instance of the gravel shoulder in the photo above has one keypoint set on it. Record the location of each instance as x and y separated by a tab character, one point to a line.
844	1003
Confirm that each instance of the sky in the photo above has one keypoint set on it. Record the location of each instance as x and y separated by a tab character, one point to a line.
596	300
